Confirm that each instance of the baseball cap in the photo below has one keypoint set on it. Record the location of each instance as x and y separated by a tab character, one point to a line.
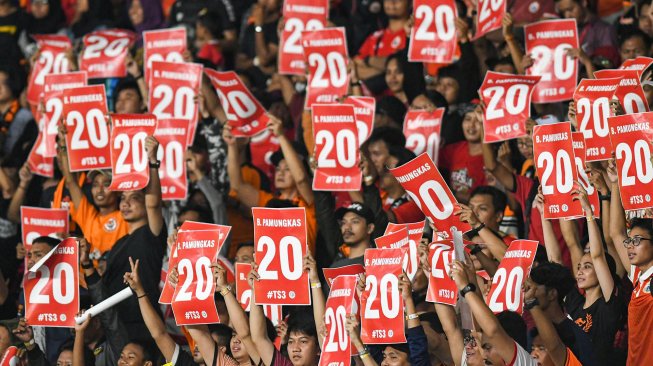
357	208
93	173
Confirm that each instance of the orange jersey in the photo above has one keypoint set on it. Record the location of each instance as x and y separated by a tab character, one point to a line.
571	359
640	319
102	231
311	225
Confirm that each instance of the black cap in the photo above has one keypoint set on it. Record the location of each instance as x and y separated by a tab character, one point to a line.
391	107
357	208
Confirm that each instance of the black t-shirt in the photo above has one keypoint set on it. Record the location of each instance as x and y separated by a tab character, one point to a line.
248	37
577	341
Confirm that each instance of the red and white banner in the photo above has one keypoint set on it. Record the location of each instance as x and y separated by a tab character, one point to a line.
490	15
192	301
299	16
87	130
433	37
11	357
364	109
422	130
629	92
382	316
129	165
172	135
163	45
52	287
506	291
554	160
336	148
592	99
173	90
330	274
414	235
547	43
280	243
244	113
426	187
261	148
37	222
52	60
579	157
640	64
341	302
507	100
244	294
105	53
325	52
631	136
442	289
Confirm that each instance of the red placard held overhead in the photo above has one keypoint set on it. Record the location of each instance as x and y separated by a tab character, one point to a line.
554	160
336	148
414	234
330	274
640	63
280	243
547	42
579	157
507	100
433	37
37	222
105	53
129	163
629	92
244	113
299	16
341	302
442	288
382	307
172	135
244	294
490	15
163	45
426	187
325	52
592	98
52	287
506	291
261	148
422	130
36	161
52	60
364	109
631	136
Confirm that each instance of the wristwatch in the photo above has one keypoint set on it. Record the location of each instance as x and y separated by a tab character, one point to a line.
475	249
88	265
258	29
155	165
531	303
469	288
225	290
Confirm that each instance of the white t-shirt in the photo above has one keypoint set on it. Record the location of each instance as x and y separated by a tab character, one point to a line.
522	358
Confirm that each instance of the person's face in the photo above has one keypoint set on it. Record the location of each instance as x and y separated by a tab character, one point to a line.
491	355
387	180
525	146
354	229
245	254
393	357
128	101
472	128
65	358
39	10
379	154
238	349
132	355
448	87
632	47
585	274
483	208
302	349
189	215
36	252
571	9
473	352
395	9
505	68
5	91
643	253
645	24
132	206
422	102
394	76
102	196
539	353
5	340
282	177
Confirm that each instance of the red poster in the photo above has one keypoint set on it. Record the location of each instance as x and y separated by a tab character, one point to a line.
489	16
167	44
382	307
172	92
105	53
330	274
280	238
52	60
37	163
364	109
172	135
337	349
325	52
507	100
442	289
547	43
506	291
244	294
129	163
433	37
640	64
629	92
415	231
631	136
422	130
336	148
583	178
37	222
426	187
244	113
299	16
52	287
592	98
554	160
261	148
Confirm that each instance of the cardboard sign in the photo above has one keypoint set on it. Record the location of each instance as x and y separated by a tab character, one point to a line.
325	52
433	37
592	98
244	294
336	349
37	162
37	222
52	59
244	113
299	16
330	274
507	100
87	131
261	148
629	92
336	148
105	53
640	64
442	288
364	109
280	239
631	136
506	291
426	187
129	166
490	15
163	45
579	156
172	135
547	43
554	160
414	236
422	130
173	89
52	287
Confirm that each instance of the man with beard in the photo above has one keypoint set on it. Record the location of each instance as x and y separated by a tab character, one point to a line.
356	226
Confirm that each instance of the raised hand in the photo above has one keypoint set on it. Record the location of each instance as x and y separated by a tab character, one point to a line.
23	331
133	280
151	148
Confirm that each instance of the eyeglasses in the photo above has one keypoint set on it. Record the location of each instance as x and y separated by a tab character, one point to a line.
469	340
635	241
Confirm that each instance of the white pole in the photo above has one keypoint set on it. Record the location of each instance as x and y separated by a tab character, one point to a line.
104	305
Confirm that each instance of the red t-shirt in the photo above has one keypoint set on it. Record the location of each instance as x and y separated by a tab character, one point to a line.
640	319
465	172
383	43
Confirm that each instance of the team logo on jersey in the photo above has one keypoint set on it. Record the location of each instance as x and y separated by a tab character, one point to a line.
534	7
647	288
395	42
110	225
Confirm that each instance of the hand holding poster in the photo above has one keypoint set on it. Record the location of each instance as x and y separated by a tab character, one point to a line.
325	52
336	349
579	156
105	53
364	109
592	99
129	162
330	274
489	16
299	16
629	92
422	130
442	288
172	135
51	60
244	294
433	37
414	236
163	45
506	291
37	222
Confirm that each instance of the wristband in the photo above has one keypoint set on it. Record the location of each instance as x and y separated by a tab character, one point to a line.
143	295
412	316
31	342
606	197
363	355
316	285
475	249
467	289
225	291
88	265
479	227
155	165
355	83
531	303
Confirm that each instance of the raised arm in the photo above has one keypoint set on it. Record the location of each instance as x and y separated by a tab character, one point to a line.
498	170
25	176
153	189
79	346
319	302
570	234
257	325
516	53
554	346
496	246
617	216
353	329
246	193
550	241
72	185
